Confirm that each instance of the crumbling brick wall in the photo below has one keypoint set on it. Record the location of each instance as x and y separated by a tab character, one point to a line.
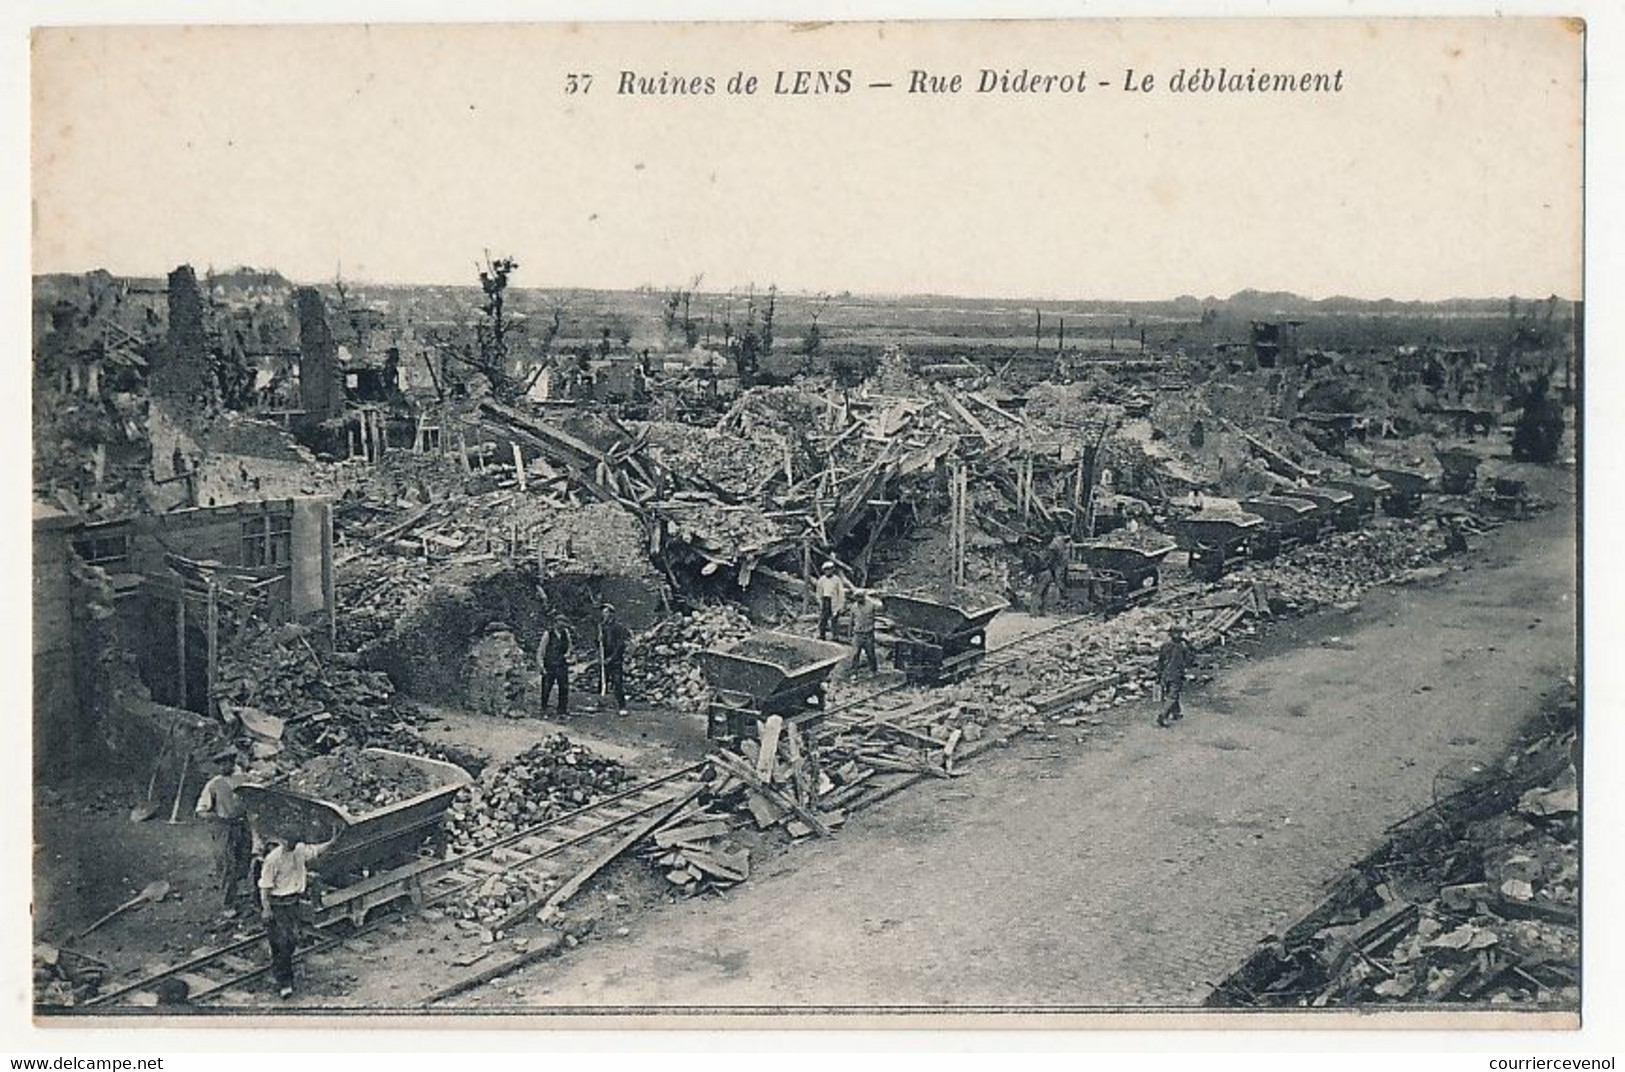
183	369
319	392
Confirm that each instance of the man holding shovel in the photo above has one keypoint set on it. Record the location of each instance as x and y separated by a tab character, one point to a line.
613	638
219	804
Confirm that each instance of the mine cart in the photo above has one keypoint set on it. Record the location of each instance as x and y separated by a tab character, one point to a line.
1217	541
1288	522
1118	573
1338	510
768	674
1460	471
937	640
1507	495
1406	497
1368	491
379	855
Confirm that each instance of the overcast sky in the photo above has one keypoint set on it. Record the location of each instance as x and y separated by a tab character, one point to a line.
1448	166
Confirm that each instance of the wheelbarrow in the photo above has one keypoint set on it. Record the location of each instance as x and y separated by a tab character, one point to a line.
1368	491
938	638
1406	497
1288	522
771	673
1119	573
1216	541
1460	470
375	858
1338	510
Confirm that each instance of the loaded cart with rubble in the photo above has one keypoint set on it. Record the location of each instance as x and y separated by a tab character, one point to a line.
764	675
390	810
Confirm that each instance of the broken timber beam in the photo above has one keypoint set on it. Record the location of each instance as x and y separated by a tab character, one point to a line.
742	771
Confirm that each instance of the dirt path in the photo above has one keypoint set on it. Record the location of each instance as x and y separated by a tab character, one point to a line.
1136	866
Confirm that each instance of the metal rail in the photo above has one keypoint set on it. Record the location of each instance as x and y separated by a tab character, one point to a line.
444	880
440	881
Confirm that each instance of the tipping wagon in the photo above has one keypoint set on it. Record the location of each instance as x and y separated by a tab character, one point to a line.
1460	470
1407	486
1288	522
1117	571
1338	510
380	854
937	639
768	674
1368	491
1218	540
1508	495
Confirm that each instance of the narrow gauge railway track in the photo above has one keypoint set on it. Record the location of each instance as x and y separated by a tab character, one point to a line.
234	964
240	961
866	709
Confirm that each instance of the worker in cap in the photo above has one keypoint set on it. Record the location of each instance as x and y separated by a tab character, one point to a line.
831	589
284	878
1173	660
864	609
554	657
1057	556
613	639
219	805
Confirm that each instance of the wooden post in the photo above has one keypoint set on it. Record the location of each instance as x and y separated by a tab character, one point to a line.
180	647
518	465
212	631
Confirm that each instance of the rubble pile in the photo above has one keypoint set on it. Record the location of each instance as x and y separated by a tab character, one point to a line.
922	566
786	410
1071	406
347	779
1455	909
488	907
598	538
724	532
696	853
64	978
1339	568
547	780
738	463
661	669
316	704
498	673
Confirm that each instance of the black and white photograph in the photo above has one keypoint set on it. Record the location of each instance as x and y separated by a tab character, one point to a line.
999	523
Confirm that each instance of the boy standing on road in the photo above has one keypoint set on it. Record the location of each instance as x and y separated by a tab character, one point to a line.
1173	659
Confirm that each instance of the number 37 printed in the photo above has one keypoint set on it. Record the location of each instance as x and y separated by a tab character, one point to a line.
577	83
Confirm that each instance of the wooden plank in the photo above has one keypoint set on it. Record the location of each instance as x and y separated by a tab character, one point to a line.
585	875
799	774
772	729
748	776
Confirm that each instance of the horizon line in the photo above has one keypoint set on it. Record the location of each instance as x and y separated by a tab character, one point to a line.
804	292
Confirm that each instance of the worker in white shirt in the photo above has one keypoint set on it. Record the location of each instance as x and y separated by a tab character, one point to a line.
220	804
283	878
831	589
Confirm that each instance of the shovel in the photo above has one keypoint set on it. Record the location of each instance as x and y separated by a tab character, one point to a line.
180	787
142	812
154	892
